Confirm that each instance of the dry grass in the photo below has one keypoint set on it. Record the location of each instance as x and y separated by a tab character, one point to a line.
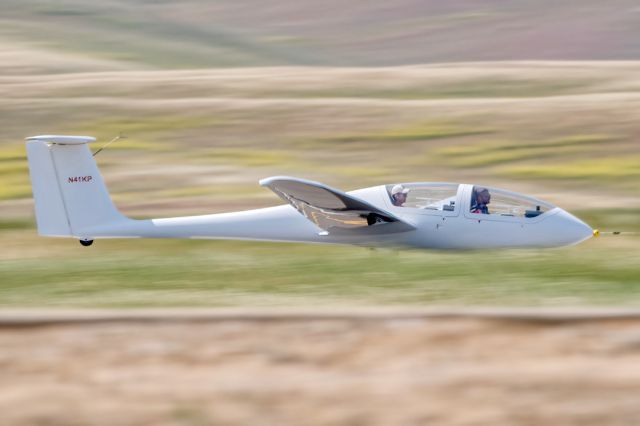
331	372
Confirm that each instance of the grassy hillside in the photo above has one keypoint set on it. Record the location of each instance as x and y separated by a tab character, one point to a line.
203	34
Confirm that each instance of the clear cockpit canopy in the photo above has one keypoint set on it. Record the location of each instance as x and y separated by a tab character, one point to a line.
438	196
427	196
503	203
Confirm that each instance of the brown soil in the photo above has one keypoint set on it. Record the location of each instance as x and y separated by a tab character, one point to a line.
368	370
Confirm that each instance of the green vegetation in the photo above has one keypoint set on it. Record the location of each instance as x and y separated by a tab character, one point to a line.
10	154
487	153
615	218
614	168
491	87
482	86
147	133
139	273
11	189
154	273
219	191
246	157
605	162
14	173
141	34
421	131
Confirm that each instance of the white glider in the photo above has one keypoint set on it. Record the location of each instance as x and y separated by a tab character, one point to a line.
71	200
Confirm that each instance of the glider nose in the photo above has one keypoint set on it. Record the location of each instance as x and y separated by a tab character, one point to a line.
574	230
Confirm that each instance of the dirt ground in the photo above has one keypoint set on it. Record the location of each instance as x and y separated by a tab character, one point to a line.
321	370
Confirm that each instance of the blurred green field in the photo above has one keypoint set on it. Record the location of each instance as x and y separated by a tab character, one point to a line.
145	273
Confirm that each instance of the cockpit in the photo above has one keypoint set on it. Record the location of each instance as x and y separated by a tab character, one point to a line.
425	196
472	199
497	202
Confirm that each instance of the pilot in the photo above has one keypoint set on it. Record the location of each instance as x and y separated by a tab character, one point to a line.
399	195
482	198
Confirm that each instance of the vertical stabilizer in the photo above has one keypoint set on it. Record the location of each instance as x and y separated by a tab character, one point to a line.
69	193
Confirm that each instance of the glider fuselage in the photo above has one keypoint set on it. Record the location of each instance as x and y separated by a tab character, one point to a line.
434	229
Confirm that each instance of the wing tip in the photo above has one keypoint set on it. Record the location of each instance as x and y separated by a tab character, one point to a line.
269	180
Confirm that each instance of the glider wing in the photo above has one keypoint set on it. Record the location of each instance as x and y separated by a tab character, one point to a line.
333	210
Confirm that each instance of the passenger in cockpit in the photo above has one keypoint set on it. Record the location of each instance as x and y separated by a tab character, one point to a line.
399	195
479	200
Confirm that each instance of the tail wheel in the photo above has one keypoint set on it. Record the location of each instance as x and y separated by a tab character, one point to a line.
86	243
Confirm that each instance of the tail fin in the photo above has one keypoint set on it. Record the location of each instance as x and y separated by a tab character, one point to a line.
69	193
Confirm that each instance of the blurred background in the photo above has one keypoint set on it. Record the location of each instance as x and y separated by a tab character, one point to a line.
536	97
539	97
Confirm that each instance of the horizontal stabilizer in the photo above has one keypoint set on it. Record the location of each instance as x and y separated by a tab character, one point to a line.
331	209
63	139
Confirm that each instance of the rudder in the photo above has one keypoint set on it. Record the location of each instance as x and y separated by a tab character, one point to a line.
69	194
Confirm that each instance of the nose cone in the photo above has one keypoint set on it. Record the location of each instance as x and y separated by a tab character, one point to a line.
572	230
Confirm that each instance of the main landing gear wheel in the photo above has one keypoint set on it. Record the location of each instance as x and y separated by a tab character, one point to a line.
86	243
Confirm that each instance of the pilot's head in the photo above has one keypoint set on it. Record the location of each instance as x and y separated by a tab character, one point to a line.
399	195
483	196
